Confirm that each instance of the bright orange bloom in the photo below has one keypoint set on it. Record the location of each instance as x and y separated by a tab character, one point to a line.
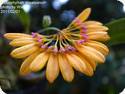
76	47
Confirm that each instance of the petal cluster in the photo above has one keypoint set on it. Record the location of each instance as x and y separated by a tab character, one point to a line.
78	47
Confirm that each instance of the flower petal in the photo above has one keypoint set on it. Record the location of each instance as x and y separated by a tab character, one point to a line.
39	62
93	28
89	60
79	64
82	17
89	69
95	55
52	69
76	62
21	41
99	36
92	22
98	46
66	69
97	27
12	36
24	51
24	70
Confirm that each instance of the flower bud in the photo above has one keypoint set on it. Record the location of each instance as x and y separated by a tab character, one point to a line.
46	21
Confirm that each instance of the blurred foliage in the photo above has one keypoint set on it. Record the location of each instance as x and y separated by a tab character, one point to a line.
117	31
25	19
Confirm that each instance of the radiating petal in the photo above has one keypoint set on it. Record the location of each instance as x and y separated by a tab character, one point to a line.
76	62
98	46
24	69
92	22
90	28
99	36
12	36
89	60
94	30
24	51
95	55
82	17
52	69
97	27
65	68
79	64
89	69
21	41
39	62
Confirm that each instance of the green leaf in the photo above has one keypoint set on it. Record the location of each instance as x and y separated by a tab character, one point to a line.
116	31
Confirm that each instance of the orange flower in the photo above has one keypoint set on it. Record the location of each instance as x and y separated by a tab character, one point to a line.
76	47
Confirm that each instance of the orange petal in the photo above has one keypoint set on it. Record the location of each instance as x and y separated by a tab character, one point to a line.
93	28
82	17
24	70
99	36
76	62
52	69
24	51
79	64
39	62
97	27
95	55
89	69
21	41
98	46
92	22
12	36
89	60
66	69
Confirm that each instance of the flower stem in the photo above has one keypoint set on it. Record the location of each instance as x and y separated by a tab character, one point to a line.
49	29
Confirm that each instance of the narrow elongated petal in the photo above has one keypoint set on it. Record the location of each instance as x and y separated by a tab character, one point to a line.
95	55
92	23
83	16
12	36
98	46
65	68
24	69
39	62
89	69
21	42
24	51
98	27
79	64
76	62
89	60
52	69
99	36
89	30
93	30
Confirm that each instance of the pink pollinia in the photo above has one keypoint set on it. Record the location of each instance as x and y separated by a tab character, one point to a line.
78	47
